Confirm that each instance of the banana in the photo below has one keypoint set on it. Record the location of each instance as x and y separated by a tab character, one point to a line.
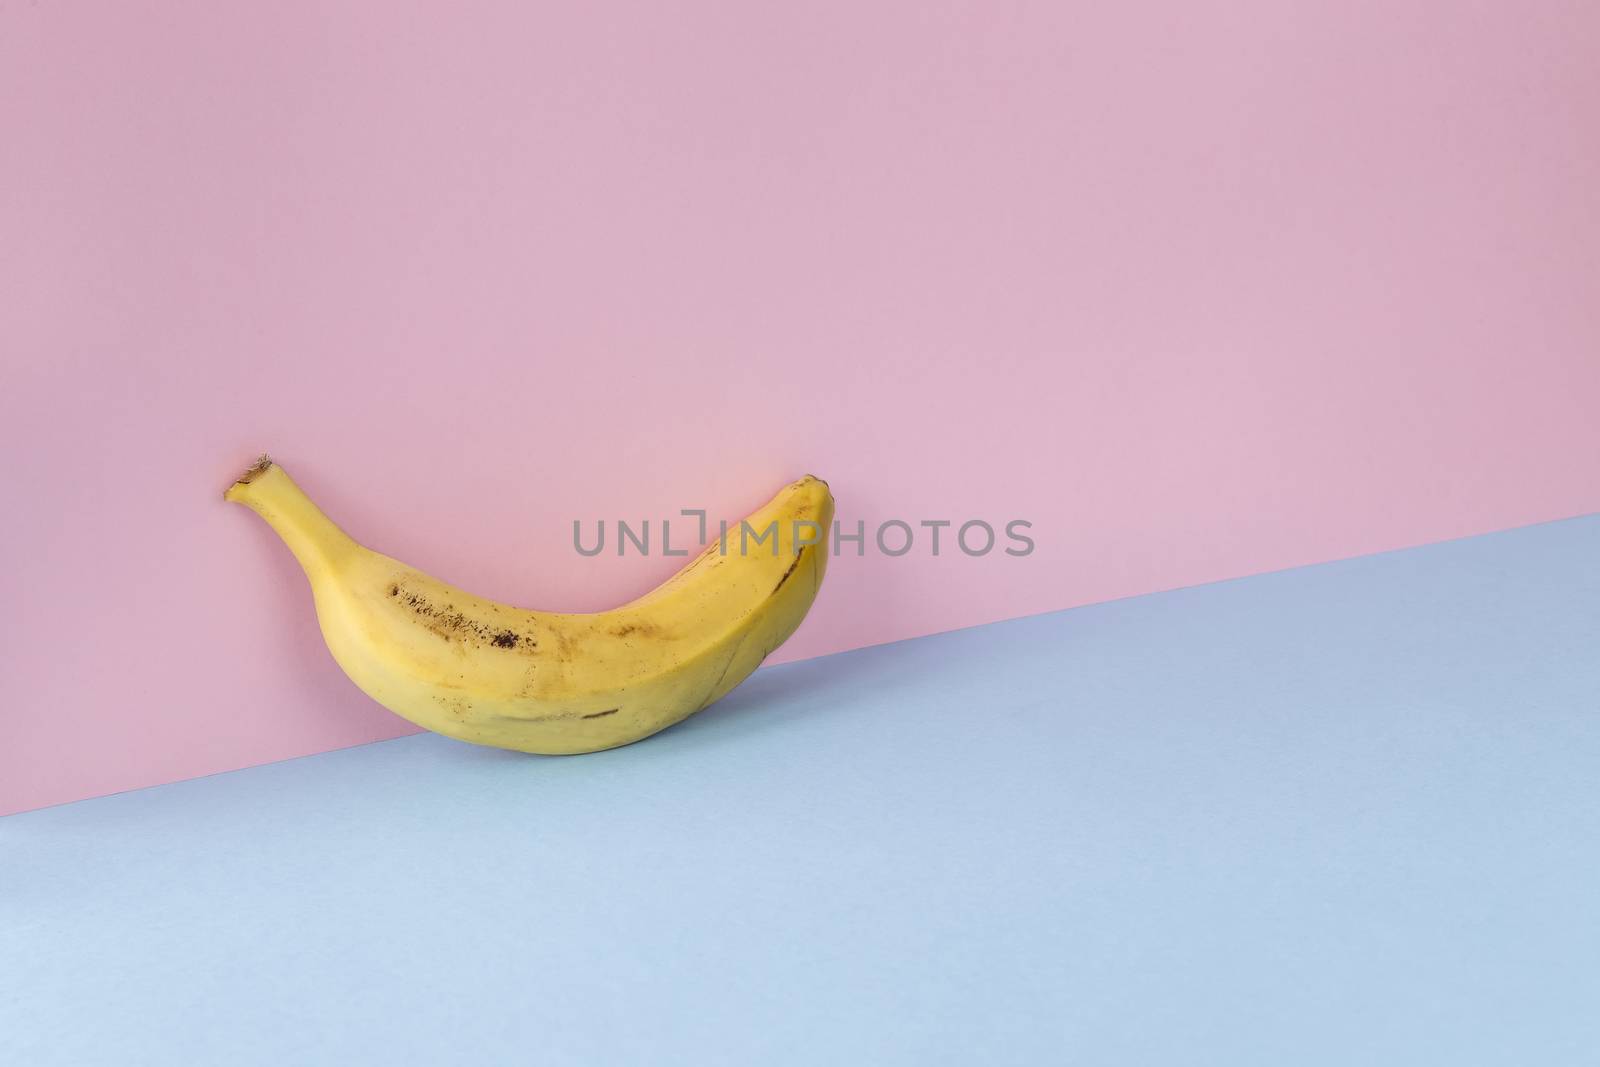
535	681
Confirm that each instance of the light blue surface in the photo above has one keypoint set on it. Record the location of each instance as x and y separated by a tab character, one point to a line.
1346	814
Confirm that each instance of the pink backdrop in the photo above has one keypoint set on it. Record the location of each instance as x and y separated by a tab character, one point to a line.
1200	289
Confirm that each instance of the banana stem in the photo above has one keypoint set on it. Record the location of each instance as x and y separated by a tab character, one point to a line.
268	490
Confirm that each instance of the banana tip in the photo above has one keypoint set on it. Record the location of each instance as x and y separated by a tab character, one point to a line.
262	464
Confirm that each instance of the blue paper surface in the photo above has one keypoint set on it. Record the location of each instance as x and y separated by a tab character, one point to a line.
1342	814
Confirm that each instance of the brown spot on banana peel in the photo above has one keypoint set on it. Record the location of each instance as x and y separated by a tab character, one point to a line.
798	556
448	622
640	627
460	707
560	716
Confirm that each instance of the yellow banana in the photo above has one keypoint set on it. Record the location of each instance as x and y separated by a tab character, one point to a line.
537	681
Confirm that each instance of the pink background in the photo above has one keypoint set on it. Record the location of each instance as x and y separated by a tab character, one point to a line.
1200	289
